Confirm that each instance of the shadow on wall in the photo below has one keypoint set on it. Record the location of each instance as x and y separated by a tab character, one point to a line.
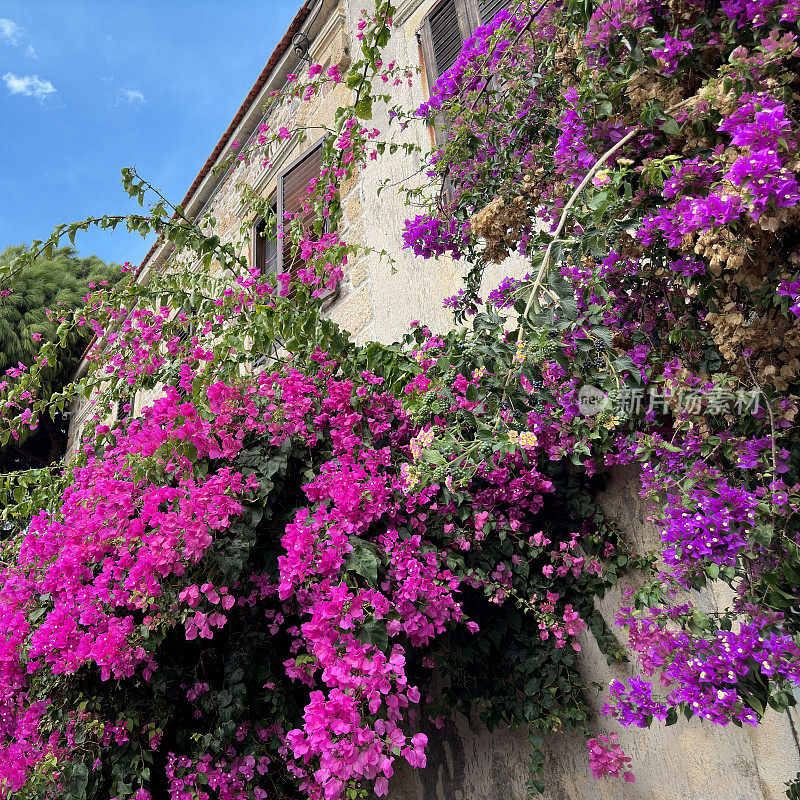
692	760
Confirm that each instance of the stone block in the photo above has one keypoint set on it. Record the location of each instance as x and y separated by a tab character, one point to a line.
359	273
353	207
355	312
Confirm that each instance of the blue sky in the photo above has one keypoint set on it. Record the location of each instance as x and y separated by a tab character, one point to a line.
92	86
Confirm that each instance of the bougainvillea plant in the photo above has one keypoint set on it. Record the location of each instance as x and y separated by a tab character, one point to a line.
277	580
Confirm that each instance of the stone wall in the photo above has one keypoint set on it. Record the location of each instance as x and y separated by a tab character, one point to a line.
377	299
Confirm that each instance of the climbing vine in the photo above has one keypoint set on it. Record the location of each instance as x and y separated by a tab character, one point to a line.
277	580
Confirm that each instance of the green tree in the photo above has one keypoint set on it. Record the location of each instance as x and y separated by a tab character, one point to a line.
29	316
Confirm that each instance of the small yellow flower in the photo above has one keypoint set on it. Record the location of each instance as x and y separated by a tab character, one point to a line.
478	373
422	440
410	477
602	177
527	440
513	436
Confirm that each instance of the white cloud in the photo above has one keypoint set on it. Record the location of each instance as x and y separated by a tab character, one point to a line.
133	96
28	85
10	32
15	36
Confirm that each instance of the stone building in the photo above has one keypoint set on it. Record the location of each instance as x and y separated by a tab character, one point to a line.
688	761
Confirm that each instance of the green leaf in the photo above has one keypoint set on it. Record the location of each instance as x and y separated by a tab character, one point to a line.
699	622
670	127
74	785
363	561
363	108
374	632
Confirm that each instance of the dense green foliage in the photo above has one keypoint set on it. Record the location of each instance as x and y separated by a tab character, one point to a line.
49	291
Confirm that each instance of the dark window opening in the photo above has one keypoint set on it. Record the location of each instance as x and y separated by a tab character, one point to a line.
265	243
125	408
487	9
447	26
444	30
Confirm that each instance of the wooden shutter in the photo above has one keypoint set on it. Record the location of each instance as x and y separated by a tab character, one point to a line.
292	194
487	9
121	412
447	26
265	243
444	30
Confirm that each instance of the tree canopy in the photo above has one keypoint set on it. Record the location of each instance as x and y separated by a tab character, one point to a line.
30	315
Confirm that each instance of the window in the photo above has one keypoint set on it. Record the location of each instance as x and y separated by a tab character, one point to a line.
265	242
292	193
444	30
448	25
125	406
122	411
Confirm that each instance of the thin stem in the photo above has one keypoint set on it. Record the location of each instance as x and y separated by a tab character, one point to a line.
573	198
772	434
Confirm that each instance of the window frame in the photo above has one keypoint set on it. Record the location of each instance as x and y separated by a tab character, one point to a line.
466	13
468	16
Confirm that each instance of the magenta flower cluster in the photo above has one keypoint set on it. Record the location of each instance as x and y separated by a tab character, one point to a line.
108	556
430	237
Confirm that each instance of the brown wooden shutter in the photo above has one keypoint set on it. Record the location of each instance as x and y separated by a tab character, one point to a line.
444	30
292	194
488	8
448	24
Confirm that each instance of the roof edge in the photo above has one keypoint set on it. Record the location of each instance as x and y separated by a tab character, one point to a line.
277	54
